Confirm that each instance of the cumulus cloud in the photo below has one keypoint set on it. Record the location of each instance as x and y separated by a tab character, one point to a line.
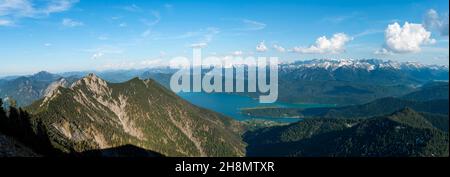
335	44
406	39
261	47
279	48
434	21
71	23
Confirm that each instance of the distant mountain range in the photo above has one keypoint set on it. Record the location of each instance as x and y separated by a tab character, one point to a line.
26	89
432	98
341	82
371	71
366	64
347	82
94	117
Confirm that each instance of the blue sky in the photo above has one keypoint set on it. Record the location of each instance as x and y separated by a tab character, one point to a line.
68	35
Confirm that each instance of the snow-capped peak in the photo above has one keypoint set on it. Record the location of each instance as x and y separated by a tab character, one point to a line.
367	64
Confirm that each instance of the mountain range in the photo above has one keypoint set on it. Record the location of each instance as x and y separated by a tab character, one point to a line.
94	114
347	82
382	108
432	98
341	82
92	117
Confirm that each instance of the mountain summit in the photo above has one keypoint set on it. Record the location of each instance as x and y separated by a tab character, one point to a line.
94	114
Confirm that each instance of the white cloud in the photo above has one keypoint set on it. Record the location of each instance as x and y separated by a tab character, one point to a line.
150	23
97	55
238	53
103	50
199	45
148	63
335	44
47	44
261	47
168	6
5	22
343	18
103	37
153	63
146	33
205	36
251	25
71	23
17	9
116	17
58	6
433	21
279	48
123	25
382	51
156	19
132	8
406	39
211	32
366	33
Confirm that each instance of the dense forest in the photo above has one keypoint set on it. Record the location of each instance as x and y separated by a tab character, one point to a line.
18	124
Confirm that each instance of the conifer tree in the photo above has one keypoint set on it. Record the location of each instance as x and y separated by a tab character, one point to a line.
3	120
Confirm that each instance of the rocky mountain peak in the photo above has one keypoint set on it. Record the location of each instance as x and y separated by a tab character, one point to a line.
44	75
54	86
92	82
140	113
368	64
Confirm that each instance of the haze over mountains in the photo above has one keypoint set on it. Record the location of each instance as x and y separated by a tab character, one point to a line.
382	108
314	81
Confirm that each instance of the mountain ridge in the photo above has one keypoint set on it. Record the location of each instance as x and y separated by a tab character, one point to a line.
137	112
404	133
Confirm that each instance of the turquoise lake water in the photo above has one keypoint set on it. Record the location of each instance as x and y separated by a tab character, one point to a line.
231	104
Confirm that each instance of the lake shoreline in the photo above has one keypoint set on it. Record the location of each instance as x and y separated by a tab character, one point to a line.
231	105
